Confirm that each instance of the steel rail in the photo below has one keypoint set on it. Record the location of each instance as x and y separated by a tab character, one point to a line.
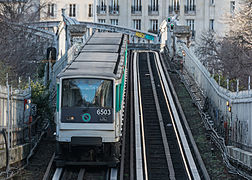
195	148
142	126
161	123
183	144
81	174
57	174
48	169
138	143
132	173
113	174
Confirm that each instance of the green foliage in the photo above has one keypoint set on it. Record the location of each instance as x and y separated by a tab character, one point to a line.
223	83
41	97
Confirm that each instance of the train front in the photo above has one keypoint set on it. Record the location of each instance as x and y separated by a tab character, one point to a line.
86	127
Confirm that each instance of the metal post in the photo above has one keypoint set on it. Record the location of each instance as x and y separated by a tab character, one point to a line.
11	117
30	84
237	87
219	80
227	84
19	82
249	83
168	42
8	110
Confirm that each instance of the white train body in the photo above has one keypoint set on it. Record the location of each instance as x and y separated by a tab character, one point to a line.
90	96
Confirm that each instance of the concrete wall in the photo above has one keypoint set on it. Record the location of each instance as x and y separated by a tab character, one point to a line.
17	115
240	118
17	154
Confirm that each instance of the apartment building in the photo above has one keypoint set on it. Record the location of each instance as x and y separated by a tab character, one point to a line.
147	15
82	10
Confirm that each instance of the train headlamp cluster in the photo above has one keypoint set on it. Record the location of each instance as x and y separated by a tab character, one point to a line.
70	118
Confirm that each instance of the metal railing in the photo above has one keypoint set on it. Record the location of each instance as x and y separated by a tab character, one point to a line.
113	9
136	9
175	9
153	10
101	9
190	9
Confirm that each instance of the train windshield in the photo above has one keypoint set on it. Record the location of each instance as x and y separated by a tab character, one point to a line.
87	93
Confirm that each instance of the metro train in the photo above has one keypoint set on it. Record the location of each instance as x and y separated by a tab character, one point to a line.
90	98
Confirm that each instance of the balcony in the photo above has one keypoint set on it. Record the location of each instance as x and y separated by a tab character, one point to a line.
136	9
153	31
114	10
153	10
101	9
190	10
175	9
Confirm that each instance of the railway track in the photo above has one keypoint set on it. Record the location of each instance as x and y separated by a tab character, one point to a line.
78	173
155	147
164	149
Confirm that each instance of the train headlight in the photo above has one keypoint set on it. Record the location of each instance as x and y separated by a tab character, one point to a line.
70	118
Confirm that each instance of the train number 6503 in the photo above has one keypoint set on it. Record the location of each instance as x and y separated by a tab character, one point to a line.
102	112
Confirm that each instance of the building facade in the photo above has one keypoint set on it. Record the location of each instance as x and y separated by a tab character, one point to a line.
82	10
147	15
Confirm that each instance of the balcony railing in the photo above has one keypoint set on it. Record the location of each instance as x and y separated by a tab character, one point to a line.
101	9
136	9
190	10
153	10
153	31
174	9
113	9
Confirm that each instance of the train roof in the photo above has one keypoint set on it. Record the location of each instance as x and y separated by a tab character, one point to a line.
103	55
98	48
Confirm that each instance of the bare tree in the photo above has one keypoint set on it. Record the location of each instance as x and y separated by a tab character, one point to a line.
209	51
231	55
21	50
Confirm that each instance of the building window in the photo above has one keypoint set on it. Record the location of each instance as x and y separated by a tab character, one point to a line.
175	4
102	21
136	6
51	10
190	7
137	24
114	7
102	4
72	10
174	7
190	23
190	3
101	8
153	5
114	21
154	25
90	10
211	25
211	2
232	6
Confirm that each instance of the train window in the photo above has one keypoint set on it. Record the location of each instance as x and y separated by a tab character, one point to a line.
87	93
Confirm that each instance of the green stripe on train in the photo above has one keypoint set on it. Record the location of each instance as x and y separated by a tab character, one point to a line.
117	98
57	100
